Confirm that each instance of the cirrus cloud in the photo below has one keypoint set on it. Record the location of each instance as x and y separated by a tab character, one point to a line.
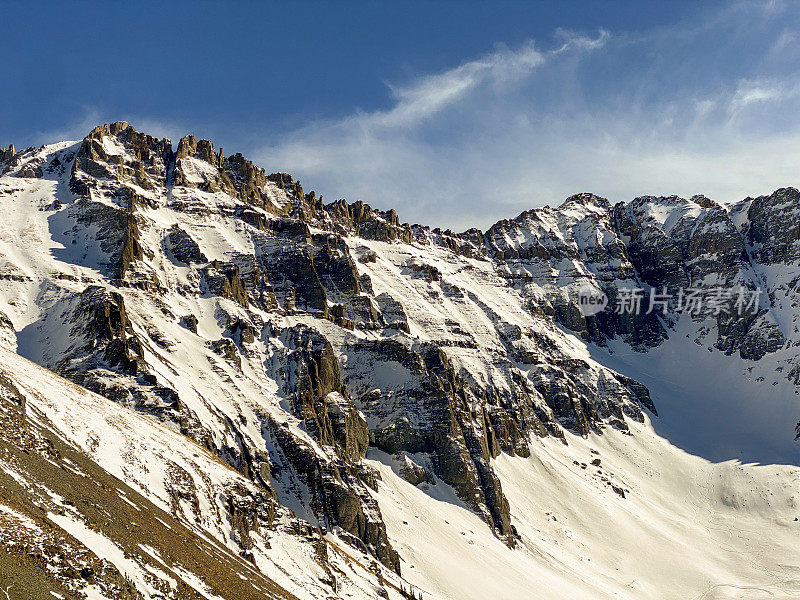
704	107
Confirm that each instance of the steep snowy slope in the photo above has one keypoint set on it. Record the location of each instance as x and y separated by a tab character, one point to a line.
686	528
670	536
387	383
70	528
112	505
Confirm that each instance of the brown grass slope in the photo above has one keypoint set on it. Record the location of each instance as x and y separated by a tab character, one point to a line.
41	475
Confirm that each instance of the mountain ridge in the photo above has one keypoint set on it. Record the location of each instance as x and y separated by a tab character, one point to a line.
295	339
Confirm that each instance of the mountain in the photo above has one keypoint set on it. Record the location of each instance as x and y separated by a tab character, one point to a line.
215	385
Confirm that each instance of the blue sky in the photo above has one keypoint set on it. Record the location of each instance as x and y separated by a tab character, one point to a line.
456	114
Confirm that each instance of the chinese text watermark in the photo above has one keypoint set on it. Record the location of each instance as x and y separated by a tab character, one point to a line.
694	301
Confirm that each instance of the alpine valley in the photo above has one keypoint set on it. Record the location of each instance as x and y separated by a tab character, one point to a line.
214	385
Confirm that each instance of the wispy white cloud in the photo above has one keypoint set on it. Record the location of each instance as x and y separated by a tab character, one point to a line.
433	93
708	107
750	92
400	155
578	39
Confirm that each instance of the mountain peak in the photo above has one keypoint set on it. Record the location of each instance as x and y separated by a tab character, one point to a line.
324	374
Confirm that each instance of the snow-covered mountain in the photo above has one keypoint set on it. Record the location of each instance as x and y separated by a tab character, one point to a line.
326	402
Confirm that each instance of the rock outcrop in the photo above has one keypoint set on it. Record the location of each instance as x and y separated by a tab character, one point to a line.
6	156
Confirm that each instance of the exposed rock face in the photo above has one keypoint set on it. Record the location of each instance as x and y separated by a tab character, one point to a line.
131	249
117	151
700	248
198	165
223	280
369	223
190	322
319	399
183	247
659	244
554	246
412	472
772	229
317	331
6	156
100	320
